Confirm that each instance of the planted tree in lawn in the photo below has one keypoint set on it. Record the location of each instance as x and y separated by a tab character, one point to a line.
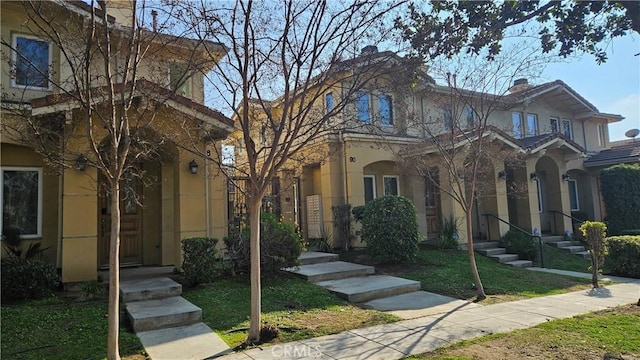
283	59
594	233
101	113
462	145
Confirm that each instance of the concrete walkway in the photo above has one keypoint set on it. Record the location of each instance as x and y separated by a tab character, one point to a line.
423	334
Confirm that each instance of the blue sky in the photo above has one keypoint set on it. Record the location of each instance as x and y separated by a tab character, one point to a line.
613	87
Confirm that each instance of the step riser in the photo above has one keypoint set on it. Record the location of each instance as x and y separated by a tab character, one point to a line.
489	252
151	294
559	244
520	264
378	294
573	249
319	260
340	275
505	258
486	245
166	321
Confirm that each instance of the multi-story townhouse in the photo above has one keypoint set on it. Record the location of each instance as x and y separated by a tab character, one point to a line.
66	208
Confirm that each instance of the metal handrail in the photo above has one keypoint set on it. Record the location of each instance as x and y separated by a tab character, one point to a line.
522	231
567	215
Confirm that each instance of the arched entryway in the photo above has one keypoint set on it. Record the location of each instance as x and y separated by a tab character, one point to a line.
485	202
549	195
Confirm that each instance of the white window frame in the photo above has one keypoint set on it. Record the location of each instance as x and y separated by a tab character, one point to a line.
326	103
14	59
38	233
532	132
391	119
470	116
373	183
558	125
575	193
187	83
447	125
567	121
601	136
384	188
359	94
520	125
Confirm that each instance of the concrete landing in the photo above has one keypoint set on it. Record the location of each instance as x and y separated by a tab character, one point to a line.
418	304
195	342
520	263
361	289
315	257
149	289
331	271
162	313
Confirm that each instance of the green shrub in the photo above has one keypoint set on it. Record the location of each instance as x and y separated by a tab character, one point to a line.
358	213
390	229
594	233
28	280
620	187
199	262
449	234
519	243
280	246
623	256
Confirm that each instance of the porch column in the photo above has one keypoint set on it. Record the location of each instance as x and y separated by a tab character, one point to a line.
451	208
331	184
532	214
353	179
80	225
566	203
502	207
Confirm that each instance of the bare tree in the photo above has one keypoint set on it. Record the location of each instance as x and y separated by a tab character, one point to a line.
112	100
460	152
284	57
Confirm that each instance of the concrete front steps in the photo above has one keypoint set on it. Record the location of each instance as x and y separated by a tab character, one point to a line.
493	250
353	282
168	326
573	247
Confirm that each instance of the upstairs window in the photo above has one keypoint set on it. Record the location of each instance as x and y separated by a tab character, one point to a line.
362	107
532	124
447	118
470	116
385	110
601	135
553	124
22	200
32	60
328	102
179	80
566	128
516	119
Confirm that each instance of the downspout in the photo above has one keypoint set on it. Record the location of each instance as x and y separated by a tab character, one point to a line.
60	208
207	209
584	137
344	161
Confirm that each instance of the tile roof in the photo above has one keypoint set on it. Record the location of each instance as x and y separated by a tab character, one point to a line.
618	155
533	142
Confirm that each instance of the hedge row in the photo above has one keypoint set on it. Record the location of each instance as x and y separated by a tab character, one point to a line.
623	258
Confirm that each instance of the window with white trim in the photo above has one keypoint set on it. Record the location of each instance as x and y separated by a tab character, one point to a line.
573	194
516	119
22	200
363	107
447	117
532	125
328	102
567	129
391	185
470	116
31	58
601	135
369	188
553	124
385	110
179	79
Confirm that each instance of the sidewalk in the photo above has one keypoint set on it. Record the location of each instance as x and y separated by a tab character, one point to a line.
420	335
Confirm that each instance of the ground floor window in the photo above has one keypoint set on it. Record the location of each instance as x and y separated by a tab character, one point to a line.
369	188
390	185
573	195
22	200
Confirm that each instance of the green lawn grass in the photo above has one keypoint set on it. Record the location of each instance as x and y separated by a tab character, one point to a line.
447	272
608	334
58	329
300	309
555	258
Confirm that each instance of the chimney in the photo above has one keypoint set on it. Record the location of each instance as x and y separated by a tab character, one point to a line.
519	85
369	50
121	10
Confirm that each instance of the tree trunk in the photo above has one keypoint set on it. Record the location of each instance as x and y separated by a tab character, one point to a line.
113	352
256	297
472	259
594	269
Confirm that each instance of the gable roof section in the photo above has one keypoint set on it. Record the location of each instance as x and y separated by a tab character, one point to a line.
625	154
536	143
64	102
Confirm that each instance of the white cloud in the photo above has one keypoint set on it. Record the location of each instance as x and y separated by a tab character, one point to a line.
629	107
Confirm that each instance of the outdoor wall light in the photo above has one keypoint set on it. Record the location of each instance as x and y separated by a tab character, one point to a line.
193	166
566	177
533	176
502	175
80	163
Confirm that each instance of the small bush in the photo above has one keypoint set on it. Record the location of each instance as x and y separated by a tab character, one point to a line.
358	213
268	332
199	262
594	233
28	280
280	246
623	256
449	234
390	229
519	243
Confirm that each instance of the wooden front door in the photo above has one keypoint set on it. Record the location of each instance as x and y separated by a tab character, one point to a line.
432	206
130	223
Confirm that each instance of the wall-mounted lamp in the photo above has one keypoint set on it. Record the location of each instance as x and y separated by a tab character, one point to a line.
533	176
566	177
80	163
193	166
502	175
352	159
